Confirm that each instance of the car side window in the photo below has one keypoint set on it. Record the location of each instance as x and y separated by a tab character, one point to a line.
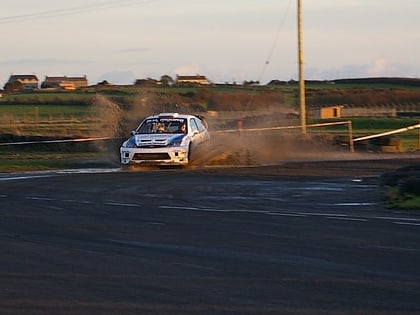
193	125
199	125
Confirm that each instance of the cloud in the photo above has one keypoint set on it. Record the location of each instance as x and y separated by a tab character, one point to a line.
383	68
44	62
134	50
377	68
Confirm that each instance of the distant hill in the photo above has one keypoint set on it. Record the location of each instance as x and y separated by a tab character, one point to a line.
376	80
380	80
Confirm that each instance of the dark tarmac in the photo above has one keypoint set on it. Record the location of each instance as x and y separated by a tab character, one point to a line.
298	238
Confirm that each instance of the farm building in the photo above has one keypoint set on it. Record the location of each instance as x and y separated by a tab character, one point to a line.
28	82
327	112
192	79
64	82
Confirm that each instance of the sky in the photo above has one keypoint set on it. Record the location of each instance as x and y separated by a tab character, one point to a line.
228	41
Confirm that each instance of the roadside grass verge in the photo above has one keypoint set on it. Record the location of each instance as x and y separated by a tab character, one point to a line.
397	200
41	161
36	157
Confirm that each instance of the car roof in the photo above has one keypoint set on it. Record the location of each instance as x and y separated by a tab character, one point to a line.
171	115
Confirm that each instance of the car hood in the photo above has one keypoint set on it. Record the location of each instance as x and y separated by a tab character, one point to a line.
156	140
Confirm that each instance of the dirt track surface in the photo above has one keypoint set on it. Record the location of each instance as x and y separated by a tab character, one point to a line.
292	155
339	166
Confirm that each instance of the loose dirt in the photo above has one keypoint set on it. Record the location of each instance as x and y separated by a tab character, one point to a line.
287	155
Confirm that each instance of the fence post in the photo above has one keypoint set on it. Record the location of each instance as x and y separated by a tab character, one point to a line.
36	115
351	144
418	140
239	127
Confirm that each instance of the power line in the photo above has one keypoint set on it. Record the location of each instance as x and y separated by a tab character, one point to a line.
275	41
74	10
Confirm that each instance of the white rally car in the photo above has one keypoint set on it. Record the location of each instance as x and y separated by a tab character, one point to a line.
164	139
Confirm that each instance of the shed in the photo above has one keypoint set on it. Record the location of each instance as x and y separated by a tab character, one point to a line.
328	112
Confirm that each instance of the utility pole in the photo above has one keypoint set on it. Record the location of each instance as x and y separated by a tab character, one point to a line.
301	76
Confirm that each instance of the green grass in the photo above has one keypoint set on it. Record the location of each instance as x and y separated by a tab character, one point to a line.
71	114
81	120
367	124
37	161
370	126
395	200
39	112
51	120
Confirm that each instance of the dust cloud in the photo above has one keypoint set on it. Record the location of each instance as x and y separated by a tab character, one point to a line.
258	149
108	124
108	116
147	104
116	121
225	148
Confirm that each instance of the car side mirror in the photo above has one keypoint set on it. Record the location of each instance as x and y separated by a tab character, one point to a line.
133	133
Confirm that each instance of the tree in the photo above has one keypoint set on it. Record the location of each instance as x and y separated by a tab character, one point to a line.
13	87
148	82
166	80
250	83
104	83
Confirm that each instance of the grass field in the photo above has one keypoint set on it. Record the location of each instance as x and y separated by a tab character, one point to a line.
81	120
43	112
112	111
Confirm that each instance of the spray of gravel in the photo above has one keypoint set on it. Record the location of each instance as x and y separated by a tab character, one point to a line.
226	148
108	117
258	149
116	121
108	124
260	146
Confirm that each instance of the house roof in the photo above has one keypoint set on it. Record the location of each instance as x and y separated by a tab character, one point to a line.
191	77
29	77
64	78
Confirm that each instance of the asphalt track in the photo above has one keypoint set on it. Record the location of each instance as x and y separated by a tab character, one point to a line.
299	238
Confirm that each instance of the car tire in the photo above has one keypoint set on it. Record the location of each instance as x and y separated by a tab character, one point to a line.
189	154
127	167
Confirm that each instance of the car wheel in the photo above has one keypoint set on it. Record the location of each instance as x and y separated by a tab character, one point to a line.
189	154
127	167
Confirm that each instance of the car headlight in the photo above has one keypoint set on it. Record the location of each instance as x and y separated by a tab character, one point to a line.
129	143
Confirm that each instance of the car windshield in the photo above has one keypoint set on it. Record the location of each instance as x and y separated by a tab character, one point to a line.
163	125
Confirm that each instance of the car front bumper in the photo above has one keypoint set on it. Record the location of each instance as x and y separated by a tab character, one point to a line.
154	156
